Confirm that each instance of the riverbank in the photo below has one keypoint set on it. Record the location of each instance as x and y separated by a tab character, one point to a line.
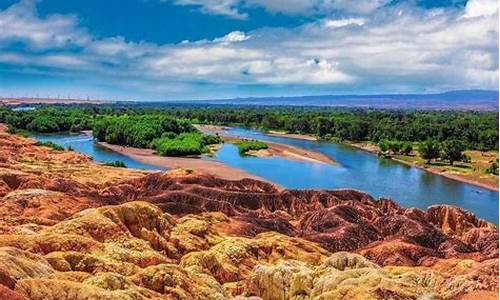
467	173
275	149
211	167
292	135
470	174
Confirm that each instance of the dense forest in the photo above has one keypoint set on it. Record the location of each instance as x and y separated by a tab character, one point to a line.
139	125
137	130
477	130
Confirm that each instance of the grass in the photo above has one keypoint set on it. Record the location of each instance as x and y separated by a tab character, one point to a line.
247	145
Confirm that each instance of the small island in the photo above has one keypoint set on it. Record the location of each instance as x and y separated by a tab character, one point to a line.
246	147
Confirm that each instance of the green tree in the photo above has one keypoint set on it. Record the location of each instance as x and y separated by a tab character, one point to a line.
430	149
406	148
452	150
384	145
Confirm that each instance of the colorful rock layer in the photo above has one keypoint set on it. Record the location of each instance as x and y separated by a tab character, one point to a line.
73	229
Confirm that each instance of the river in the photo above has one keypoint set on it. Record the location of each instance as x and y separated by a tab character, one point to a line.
356	169
85	144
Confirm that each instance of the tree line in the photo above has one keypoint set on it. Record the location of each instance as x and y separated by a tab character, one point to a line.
474	130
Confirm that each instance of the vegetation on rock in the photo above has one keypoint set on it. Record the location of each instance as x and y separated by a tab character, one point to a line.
116	163
51	145
79	230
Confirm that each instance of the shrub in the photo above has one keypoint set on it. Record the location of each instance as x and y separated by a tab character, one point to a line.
116	163
493	168
246	145
51	145
193	143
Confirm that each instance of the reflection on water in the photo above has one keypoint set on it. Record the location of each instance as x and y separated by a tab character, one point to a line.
357	169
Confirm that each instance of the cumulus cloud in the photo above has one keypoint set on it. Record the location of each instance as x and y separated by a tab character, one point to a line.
477	8
344	22
20	22
232	37
393	49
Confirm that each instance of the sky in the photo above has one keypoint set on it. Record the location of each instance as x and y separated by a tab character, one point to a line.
207	49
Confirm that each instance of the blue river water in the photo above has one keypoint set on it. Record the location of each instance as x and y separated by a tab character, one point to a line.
85	144
356	169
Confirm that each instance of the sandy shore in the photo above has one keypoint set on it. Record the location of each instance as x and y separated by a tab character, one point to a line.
293	135
215	168
275	149
373	149
287	152
456	177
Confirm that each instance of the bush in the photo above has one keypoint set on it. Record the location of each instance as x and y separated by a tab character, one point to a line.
246	145
493	168
20	132
50	145
116	163
193	143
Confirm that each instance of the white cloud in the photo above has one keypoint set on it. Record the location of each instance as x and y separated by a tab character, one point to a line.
344	22
232	37
312	72
391	49
477	8
20	23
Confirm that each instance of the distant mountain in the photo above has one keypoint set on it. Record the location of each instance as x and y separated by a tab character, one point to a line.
480	100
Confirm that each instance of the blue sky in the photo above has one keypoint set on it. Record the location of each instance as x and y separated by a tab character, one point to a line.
201	49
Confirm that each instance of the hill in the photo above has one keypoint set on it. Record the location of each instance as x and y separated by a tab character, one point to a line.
72	229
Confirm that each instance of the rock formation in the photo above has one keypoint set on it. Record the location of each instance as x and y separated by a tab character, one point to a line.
73	229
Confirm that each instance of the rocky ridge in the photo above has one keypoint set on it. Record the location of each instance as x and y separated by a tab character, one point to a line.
72	229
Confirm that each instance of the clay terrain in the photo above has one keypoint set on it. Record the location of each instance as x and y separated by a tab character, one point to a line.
72	229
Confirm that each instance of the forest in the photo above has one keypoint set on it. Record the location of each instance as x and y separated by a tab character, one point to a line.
138	125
